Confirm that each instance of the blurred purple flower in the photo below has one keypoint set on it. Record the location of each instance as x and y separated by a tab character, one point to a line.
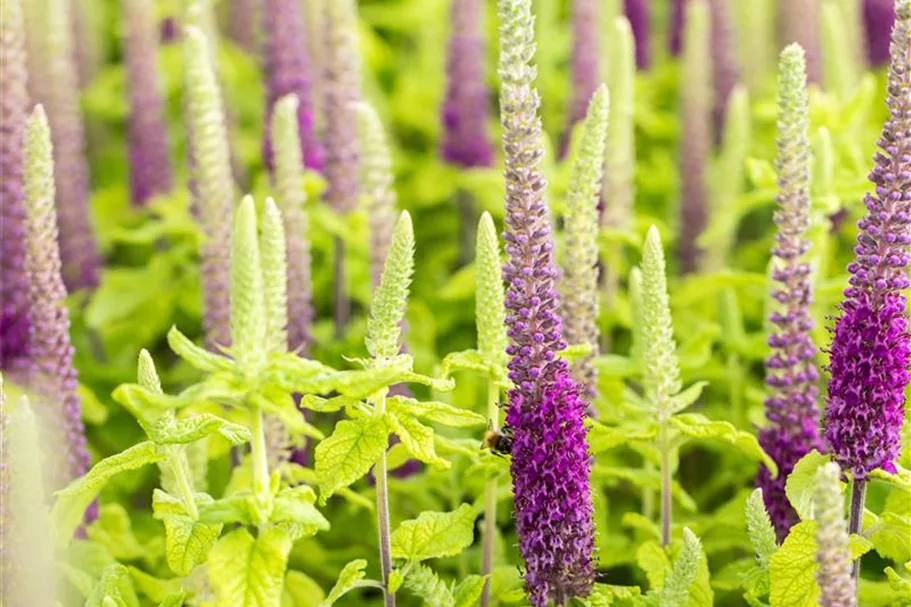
585	65
879	17
638	14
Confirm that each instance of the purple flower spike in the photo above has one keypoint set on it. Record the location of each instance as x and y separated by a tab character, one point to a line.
51	374
242	25
550	462
287	67
871	347
150	163
466	142
798	21
586	73
13	108
675	35
879	18
725	69
637	12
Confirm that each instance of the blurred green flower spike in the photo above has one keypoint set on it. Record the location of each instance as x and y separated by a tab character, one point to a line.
490	310
248	309
275	278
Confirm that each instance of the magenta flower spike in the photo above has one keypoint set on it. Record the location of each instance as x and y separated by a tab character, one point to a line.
798	21
150	162
550	462
466	141
675	35
586	74
13	115
879	18
638	14
51	374
791	376
871	347
287	68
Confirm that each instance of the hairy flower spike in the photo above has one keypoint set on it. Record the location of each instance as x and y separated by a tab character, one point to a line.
550	463
378	184
150	164
662	368
214	187
288	183
799	22
870	354
287	69
13	115
580	266
838	588
637	12
619	190
879	19
78	248
696	136
275	278
637	329
248	299
791	375
390	300
490	307
585	58
466	141
52	375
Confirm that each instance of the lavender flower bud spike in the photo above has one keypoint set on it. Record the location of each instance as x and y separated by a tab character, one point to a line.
13	109
637	12
798	21
696	137
725	67
585	69
871	348
150	163
465	140
675	33
242	25
879	18
833	555
791	376
52	374
552	500
78	250
287	68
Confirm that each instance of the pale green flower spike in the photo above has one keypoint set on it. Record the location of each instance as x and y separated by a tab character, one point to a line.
248	312
390	300
676	589
580	264
275	278
39	170
490	309
147	376
619	191
760	530
839	65
729	180
836	584
637	349
377	183
662	369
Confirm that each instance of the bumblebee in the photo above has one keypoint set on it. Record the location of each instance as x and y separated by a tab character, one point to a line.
499	443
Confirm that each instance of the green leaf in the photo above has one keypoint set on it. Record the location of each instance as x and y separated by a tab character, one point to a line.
348	579
891	536
434	534
901	479
416	437
424	583
234	508
114	590
436	412
249	572
198	357
114	531
294	507
349	453
698	426
193	428
759	527
302	591
898	583
387	310
801	483
73	500
187	541
675	592
686	398
281	405
468	592
604	595
604	438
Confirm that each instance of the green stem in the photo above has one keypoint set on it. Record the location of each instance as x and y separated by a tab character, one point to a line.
490	501
382	515
666	505
177	461
855	522
648	494
260	458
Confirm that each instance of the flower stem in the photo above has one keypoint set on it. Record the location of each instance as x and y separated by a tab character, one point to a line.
490	503
858	495
382	516
177	460
260	460
666	504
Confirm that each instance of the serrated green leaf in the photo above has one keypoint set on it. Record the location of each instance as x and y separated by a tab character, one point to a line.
902	478
113	530
466	360
156	589
891	536
114	590
604	438
198	357
191	429
396	579
676	589
349	453
434	534
696	425
424	583
468	592
801	483
688	396
294	507
760	530
73	500
897	582
249	572
416	438
234	508
605	595
187	541
437	412
327	405
281	405
348	579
